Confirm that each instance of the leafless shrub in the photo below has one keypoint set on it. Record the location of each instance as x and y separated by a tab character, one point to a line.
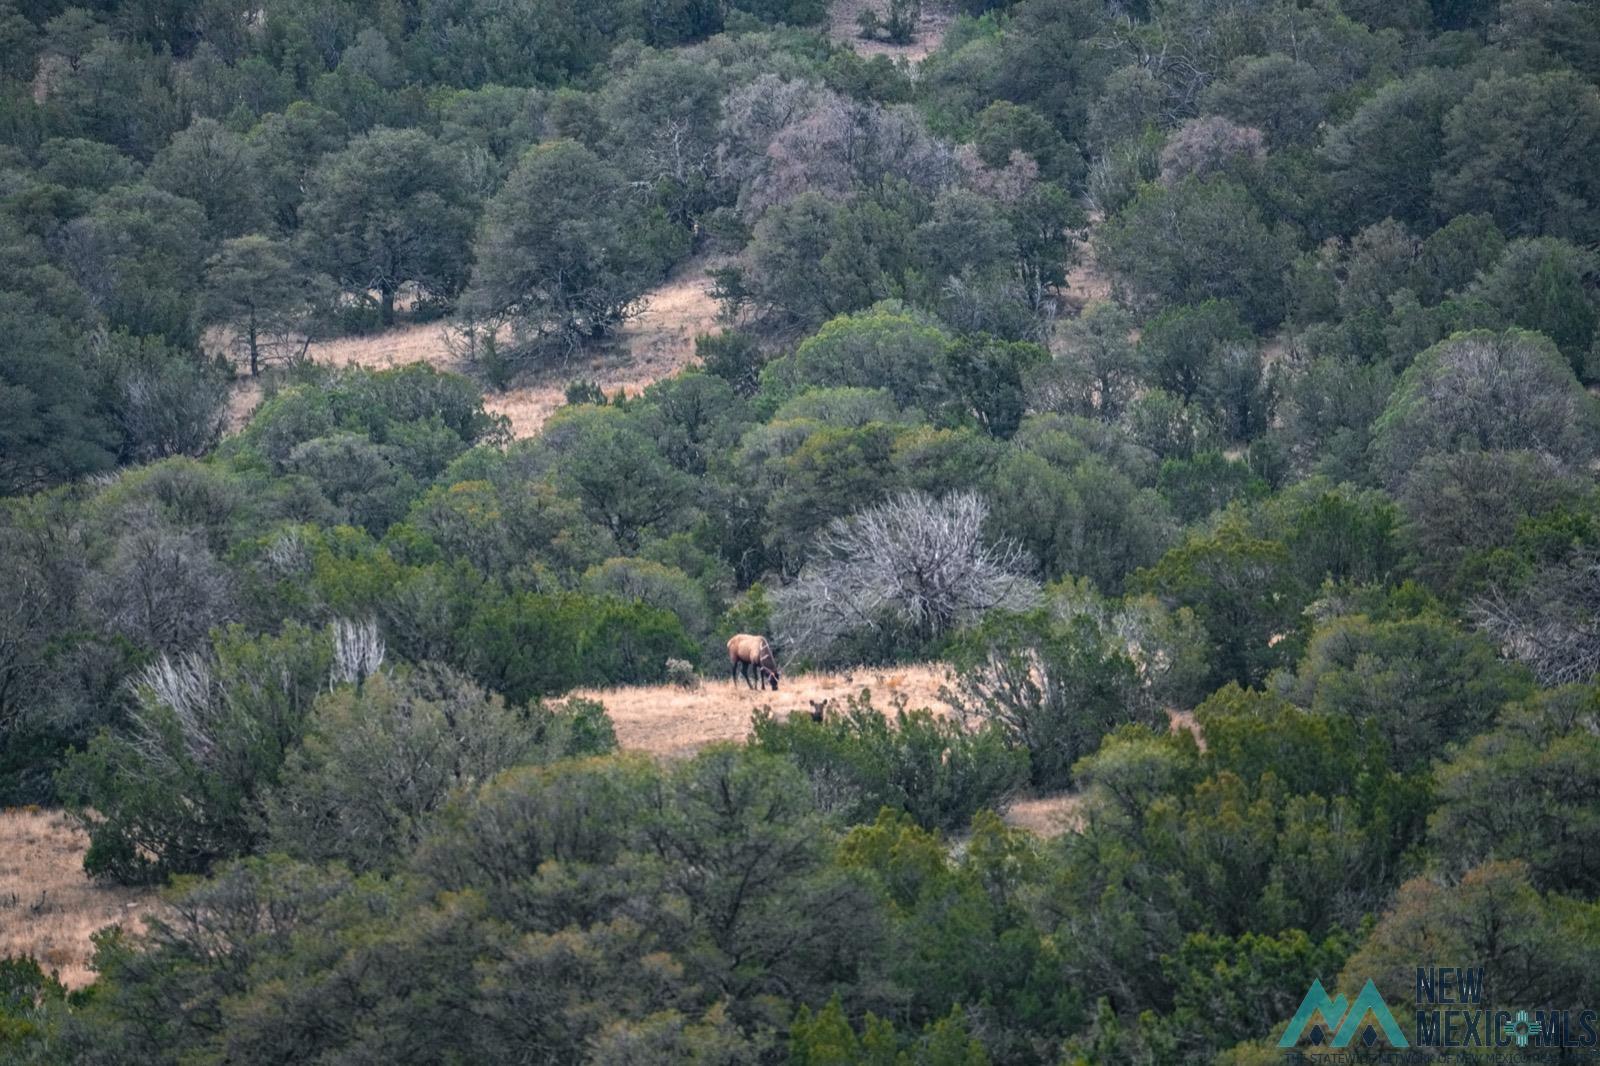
1511	391
914	560
1004	305
378	761
165	413
1206	145
1552	623
163	587
287	555
752	115
1007	184
1114	178
780	139
680	672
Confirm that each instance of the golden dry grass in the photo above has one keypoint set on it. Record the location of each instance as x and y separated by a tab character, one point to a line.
656	343
670	721
48	905
243	399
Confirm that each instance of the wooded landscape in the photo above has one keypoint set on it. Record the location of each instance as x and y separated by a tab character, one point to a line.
1205	386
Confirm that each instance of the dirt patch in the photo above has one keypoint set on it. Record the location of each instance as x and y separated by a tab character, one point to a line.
1087	284
655	344
48	905
1277	351
670	721
931	27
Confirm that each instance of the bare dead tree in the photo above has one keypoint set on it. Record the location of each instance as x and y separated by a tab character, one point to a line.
163	587
1206	145
357	651
826	143
752	116
915	560
1552	623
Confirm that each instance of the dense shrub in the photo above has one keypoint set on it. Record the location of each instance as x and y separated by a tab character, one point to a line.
858	760
1053	688
178	787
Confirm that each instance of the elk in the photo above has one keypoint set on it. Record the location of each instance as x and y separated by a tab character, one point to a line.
747	653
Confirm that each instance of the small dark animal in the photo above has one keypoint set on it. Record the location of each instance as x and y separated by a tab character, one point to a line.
817	709
747	653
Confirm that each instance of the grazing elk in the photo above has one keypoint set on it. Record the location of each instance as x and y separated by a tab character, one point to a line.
747	653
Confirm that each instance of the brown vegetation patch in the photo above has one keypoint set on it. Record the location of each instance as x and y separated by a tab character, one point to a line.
1047	816
243	399
48	905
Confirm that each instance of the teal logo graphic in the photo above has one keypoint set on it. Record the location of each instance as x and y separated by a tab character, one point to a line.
1522	1028
1342	1020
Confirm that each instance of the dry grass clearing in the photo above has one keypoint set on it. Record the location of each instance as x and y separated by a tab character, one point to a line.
1047	816
674	722
48	905
656	343
936	19
671	721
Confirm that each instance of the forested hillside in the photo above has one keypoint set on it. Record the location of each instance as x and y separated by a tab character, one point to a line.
1130	357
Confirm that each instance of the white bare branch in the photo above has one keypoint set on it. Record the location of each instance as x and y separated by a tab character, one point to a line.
357	650
1552	624
186	688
